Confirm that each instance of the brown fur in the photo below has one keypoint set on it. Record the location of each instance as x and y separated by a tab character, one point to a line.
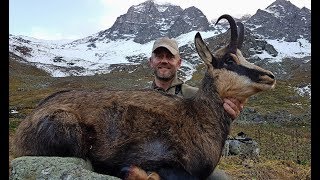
107	122
174	137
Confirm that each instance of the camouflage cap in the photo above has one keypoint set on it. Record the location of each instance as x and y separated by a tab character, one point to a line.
168	43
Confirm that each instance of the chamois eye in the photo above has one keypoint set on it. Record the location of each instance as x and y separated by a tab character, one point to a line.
229	61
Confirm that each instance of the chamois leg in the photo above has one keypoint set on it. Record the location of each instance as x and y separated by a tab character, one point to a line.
136	173
51	134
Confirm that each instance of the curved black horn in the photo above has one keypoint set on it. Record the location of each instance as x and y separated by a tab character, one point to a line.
234	33
240	34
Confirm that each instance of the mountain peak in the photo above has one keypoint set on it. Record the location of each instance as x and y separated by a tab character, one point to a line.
282	7
282	20
143	7
147	21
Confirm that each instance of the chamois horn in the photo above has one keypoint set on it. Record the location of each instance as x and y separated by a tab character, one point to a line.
234	32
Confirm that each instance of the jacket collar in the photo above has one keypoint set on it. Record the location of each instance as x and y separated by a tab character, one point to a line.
176	81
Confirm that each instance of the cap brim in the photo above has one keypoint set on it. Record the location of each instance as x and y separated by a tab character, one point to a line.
172	50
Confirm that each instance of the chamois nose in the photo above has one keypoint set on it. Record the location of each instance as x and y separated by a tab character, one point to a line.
271	76
267	78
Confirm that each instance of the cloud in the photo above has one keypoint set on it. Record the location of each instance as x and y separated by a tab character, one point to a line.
49	34
302	3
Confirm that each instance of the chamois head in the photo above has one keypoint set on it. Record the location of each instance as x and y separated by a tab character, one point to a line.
234	75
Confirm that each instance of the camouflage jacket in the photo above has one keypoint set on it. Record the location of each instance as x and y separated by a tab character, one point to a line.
178	87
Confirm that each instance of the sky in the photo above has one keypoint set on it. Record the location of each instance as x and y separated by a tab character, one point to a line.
75	19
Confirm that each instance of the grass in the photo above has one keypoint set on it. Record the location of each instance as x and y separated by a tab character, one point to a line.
283	98
285	153
263	168
280	142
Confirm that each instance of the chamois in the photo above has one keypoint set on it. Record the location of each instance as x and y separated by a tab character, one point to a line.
122	131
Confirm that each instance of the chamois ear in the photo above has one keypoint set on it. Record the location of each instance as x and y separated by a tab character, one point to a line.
204	51
240	34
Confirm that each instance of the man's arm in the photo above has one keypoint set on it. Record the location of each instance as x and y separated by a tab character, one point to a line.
233	107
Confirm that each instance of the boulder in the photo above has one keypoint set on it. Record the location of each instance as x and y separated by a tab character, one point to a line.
59	168
241	145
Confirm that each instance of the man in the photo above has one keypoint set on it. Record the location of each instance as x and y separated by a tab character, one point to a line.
165	61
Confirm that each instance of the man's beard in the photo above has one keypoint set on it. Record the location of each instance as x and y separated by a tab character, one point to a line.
164	77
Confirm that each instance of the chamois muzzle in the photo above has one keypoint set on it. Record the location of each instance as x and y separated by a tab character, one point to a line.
268	79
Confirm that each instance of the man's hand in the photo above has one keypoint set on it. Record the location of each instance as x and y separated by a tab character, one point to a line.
233	107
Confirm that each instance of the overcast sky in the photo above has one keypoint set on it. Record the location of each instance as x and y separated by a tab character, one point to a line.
73	19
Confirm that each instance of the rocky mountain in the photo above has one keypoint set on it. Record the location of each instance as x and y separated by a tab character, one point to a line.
148	21
280	25
282	20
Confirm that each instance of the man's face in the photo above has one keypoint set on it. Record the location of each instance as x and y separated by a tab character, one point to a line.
164	64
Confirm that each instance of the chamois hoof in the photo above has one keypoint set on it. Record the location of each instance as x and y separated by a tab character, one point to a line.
153	176
136	173
133	173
